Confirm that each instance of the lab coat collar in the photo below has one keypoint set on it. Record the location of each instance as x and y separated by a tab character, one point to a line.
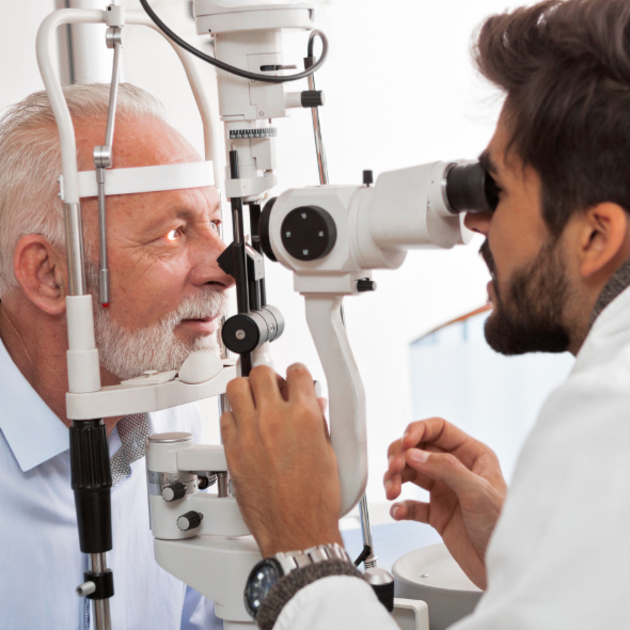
33	432
610	331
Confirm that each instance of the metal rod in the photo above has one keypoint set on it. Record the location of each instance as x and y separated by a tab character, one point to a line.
366	530
102	225
254	224
103	158
113	94
240	259
223	484
102	618
322	165
224	403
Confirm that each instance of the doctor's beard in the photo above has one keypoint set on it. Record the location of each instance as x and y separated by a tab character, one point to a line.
529	317
127	354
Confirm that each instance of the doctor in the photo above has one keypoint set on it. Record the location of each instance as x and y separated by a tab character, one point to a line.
554	551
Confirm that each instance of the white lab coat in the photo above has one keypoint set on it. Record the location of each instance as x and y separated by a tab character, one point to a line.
560	555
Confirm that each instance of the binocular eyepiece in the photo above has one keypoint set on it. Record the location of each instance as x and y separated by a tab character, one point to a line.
470	188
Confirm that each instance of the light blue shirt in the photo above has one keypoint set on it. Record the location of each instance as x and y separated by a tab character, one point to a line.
40	560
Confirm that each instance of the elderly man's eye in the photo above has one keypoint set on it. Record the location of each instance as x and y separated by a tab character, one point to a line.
174	235
215	225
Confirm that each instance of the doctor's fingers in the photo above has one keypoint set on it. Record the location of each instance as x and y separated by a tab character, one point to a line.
393	482
411	511
266	386
300	386
241	399
397	460
434	430
441	434
445	468
228	429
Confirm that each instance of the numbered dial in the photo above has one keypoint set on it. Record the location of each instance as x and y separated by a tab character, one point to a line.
308	233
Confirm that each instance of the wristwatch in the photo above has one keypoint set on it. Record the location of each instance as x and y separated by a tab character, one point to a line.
269	571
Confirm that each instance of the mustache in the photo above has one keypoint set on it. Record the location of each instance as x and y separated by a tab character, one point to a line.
212	303
486	254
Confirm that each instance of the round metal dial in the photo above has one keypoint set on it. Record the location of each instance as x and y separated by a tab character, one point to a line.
308	233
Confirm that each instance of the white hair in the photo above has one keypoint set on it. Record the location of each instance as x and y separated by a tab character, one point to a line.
30	162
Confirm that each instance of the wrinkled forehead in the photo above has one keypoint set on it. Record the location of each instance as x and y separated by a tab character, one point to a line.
138	141
153	146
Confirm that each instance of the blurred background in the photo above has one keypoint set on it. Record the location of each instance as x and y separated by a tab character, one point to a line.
401	90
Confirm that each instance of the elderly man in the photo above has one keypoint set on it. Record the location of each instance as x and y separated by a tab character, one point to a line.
167	295
554	555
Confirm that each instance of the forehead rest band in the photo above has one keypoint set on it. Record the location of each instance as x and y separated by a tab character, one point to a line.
144	179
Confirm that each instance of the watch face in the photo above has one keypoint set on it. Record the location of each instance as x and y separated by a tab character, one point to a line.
262	578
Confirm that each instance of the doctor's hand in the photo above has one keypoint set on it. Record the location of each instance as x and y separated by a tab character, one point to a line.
281	462
466	487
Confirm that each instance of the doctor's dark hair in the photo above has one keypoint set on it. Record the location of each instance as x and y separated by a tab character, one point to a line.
565	69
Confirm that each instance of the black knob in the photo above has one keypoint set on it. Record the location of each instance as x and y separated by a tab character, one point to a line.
368	178
383	584
174	491
313	98
308	233
365	284
245	332
91	481
207	481
190	520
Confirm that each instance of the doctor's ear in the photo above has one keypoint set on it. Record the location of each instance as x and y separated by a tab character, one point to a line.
603	239
39	268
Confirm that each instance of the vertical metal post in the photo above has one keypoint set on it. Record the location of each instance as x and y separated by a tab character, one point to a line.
240	259
103	159
366	530
322	165
102	618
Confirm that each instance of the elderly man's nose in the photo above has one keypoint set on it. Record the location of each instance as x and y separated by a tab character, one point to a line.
478	222
205	262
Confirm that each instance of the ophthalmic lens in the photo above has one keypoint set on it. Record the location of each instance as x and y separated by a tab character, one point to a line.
470	188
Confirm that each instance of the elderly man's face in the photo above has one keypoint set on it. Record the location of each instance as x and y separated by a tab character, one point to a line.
167	292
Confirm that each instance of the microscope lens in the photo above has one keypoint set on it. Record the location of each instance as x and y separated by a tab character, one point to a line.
470	188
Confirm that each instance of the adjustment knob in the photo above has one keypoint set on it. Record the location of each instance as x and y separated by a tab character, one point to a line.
365	284
308	233
190	520
312	98
174	491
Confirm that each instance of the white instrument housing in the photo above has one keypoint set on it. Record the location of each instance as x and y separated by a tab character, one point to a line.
406	209
250	37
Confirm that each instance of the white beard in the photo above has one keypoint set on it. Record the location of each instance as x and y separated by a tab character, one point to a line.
127	354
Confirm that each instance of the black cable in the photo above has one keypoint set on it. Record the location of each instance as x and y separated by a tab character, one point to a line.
367	550
233	69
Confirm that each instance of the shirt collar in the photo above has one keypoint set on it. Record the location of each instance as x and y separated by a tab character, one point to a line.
34	433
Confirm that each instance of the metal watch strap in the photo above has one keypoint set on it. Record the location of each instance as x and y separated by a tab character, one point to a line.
292	560
304	568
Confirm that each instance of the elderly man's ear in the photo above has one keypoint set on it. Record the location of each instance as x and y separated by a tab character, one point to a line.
40	268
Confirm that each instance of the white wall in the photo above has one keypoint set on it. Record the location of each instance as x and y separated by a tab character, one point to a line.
401	90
